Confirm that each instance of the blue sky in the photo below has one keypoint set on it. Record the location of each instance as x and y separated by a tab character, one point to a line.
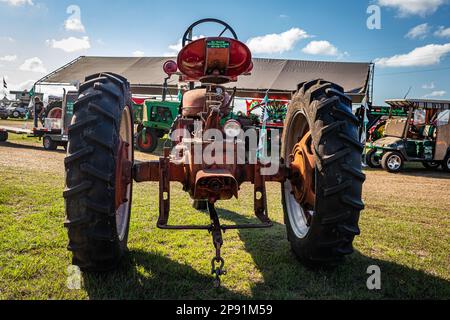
412	47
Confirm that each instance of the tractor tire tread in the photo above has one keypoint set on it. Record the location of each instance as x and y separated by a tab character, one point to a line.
90	170
339	173
82	124
86	85
78	155
69	192
337	189
90	173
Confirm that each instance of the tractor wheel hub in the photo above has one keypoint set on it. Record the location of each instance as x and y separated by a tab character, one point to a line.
303	172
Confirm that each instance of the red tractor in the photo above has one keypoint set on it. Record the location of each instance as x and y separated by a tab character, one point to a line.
319	167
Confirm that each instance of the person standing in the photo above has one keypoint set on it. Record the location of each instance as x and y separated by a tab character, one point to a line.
38	110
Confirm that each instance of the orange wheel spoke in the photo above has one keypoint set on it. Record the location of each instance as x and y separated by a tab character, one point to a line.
303	172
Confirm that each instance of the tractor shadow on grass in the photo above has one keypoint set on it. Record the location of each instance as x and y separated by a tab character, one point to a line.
151	276
28	147
146	275
285	278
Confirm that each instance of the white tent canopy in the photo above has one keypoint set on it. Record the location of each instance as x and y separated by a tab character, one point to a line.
280	77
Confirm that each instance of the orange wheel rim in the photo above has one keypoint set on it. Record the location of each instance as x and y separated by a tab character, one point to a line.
303	172
148	140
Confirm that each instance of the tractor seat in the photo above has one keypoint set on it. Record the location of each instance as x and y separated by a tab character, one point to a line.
428	131
194	102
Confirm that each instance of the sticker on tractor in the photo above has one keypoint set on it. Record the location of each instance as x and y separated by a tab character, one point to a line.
69	108
218	44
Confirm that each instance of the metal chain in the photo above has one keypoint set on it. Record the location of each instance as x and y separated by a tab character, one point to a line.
218	270
217	263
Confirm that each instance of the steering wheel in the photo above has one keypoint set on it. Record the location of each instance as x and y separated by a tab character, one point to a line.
188	35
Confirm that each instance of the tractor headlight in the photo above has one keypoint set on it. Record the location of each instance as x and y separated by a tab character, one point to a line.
232	128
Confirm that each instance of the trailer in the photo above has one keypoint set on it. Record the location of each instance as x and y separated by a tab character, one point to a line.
54	134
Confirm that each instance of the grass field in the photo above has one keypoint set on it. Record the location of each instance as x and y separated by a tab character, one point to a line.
405	231
22	124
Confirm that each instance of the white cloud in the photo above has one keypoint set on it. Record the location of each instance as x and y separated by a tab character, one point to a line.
430	86
436	94
413	7
8	58
442	32
138	53
7	39
33	65
70	44
277	43
175	48
73	24
321	48
424	56
419	32
283	16
18	3
26	85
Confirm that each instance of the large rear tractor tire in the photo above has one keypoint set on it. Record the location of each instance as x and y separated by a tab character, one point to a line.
147	141
322	198
98	173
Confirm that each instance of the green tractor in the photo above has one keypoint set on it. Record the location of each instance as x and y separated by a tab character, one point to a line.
154	119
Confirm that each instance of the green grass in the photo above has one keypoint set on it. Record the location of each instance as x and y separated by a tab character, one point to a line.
23	139
411	247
